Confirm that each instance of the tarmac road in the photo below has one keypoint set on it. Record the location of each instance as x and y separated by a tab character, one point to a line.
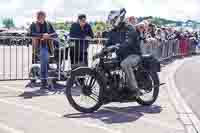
187	80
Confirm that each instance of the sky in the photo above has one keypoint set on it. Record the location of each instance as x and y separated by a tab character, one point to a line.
24	10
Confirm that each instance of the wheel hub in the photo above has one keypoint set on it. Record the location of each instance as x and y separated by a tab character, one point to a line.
86	90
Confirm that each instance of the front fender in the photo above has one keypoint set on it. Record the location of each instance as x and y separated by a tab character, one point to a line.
81	71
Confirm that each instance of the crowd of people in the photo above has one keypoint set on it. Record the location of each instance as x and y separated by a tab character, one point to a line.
159	35
187	40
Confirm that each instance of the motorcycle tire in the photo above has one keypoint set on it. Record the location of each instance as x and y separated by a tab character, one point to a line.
156	84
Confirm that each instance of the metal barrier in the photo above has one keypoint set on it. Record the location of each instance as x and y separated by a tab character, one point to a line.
18	55
15	56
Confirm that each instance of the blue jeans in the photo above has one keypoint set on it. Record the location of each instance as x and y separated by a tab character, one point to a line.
44	60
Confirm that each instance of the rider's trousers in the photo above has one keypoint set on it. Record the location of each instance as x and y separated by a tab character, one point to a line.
127	66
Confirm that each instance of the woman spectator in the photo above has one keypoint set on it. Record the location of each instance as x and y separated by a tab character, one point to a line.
183	42
193	43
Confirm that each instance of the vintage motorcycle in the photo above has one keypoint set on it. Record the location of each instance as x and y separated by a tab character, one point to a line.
88	89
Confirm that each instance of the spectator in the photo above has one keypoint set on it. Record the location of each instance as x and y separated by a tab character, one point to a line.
160	41
171	34
98	35
196	35
145	43
82	31
158	34
166	33
163	34
177	34
183	44
132	20
151	30
42	30
193	42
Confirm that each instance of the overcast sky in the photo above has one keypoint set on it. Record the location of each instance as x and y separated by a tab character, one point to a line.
24	10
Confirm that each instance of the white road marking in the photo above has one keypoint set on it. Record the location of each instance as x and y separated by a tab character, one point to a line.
9	129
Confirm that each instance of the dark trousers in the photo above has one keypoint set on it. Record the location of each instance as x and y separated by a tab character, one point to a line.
78	56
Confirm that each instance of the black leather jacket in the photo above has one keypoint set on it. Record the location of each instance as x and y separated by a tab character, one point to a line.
130	43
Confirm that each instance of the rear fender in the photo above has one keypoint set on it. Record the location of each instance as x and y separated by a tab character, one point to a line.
151	65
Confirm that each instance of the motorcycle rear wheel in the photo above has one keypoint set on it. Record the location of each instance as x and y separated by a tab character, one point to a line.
155	90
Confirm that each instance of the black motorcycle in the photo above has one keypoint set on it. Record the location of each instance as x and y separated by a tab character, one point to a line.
89	88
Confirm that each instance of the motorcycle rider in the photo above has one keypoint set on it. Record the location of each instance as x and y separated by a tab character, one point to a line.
129	50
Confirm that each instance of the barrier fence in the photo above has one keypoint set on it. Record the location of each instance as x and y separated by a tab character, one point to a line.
19	55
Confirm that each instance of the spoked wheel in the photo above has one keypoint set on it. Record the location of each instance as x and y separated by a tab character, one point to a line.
84	93
151	90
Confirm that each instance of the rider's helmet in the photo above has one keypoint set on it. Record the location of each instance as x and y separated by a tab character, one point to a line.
116	18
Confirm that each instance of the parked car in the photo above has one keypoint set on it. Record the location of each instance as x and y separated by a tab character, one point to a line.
8	37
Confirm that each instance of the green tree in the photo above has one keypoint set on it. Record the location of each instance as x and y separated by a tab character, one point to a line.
8	23
99	27
61	26
157	21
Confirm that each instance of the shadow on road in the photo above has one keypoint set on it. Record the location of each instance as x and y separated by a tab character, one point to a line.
57	89
112	115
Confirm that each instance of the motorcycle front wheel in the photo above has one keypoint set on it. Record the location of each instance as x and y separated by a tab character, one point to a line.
85	92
